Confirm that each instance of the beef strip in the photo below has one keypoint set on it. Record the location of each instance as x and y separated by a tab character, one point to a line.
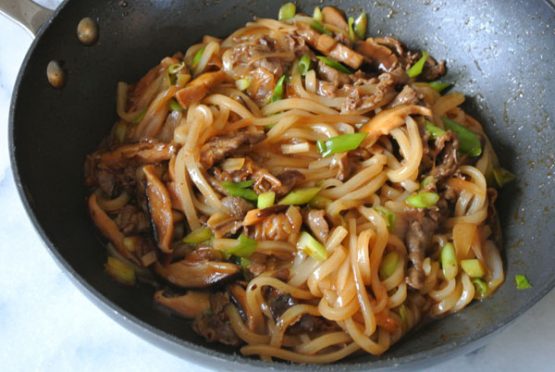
132	220
316	221
447	160
214	325
407	96
433	70
218	148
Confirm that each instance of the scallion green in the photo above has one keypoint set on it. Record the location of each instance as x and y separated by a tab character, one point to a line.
316	25
352	35
317	14
389	264
469	142
473	268
196	58
175	106
502	176
197	236
417	68
244	248
304	64
300	196
481	287
335	65
277	94
320	202
361	24
266	199
312	247
433	130
388	215
439	86
341	143
287	11
240	189
449	261
522	282
423	199
176	67
120	271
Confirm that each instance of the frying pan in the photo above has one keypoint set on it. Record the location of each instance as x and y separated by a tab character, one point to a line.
500	53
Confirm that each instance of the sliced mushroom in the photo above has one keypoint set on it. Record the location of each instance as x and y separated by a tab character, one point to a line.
140	153
317	223
199	87
378	56
335	17
108	228
189	305
201	274
387	120
160	209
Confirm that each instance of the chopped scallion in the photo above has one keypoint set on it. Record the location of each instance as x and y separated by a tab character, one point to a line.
334	64
502	176
287	11
423	199
352	35
361	24
433	130
300	196
449	261
389	264
522	282
200	235
319	202
469	142
243	84
277	94
427	181
196	58
266	199
176	67
175	106
388	215
341	143
417	68
239	189
317	15
304	64
120	271
244	248
316	25
244	263
481	287
312	247
439	86
473	268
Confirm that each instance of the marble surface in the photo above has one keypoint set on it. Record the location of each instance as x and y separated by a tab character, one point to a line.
46	324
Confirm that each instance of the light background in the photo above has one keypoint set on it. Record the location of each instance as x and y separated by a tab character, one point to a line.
46	324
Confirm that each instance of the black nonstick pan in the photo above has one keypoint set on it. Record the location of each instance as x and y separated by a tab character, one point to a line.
500	54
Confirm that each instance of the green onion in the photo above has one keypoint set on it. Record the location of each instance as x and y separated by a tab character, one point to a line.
243	84
245	184
176	67
244	263
197	57
244	248
427	181
320	202
182	79
317	15
423	199
352	35
341	143
417	68
120	271
473	268
137	119
389	264
469	142
238	189
522	282
439	86
312	247
449	261
287	11
278	89
502	176
388	215
334	64
300	196
316	25
361	24
175	106
200	235
433	130
481	287
266	199
119	131
304	64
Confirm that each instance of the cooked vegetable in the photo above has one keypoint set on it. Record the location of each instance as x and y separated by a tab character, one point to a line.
361	24
196	58
433	130
423	199
316	25
243	84
439	86
244	263
320	202
140	116
449	261
120	271
389	264
244	248
198	236
175	106
266	199
240	189
417	68
469	142
176	67
352	35
300	196
473	268
427	181
312	247
287	11
317	14
305	64
502	176
481	287
388	215
341	143
334	64
522	282
278	89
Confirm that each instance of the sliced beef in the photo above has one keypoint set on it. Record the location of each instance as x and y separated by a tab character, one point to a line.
280	184
433	70
316	221
418	239
132	220
447	160
218	148
214	325
331	75
406	96
289	179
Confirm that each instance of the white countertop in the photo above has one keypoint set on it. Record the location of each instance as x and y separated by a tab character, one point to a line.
46	324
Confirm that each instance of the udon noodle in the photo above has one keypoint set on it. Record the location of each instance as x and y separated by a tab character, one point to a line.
302	192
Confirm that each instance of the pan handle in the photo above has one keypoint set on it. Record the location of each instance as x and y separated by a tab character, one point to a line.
26	13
